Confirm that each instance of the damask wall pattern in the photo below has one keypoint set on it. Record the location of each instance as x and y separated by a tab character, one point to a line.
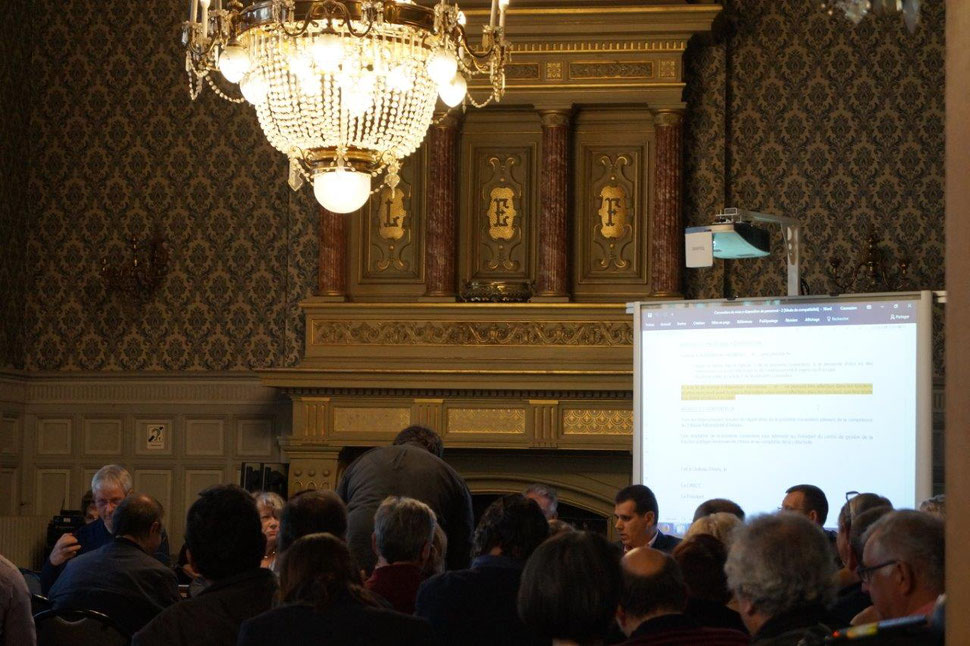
119	149
840	126
13	179
834	124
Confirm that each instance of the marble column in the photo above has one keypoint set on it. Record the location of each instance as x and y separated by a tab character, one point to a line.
667	235
442	245
332	258
551	267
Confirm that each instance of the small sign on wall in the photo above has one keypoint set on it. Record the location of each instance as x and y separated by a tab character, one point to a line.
154	437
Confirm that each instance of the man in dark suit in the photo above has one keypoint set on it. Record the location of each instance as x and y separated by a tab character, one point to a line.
636	514
109	486
121	579
225	545
478	605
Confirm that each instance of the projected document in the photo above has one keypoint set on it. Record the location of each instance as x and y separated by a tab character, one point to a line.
742	401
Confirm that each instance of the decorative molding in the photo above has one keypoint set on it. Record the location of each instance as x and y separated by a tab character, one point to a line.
491	333
545	422
127	387
554	70
611	70
668	69
348	419
595	421
589	47
522	71
490	421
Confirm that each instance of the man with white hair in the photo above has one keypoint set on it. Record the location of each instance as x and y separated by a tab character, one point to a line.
781	572
403	533
902	563
110	485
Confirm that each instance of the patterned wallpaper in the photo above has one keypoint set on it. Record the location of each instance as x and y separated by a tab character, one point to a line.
834	124
120	149
13	179
840	126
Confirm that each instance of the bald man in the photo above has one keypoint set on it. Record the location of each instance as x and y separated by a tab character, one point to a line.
653	601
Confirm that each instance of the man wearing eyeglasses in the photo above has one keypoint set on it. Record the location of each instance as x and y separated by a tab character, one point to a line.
902	563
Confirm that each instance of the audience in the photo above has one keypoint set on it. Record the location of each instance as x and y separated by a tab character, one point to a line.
781	572
861	603
110	485
652	605
903	562
411	467
324	603
557	527
403	535
546	497
570	589
720	525
16	622
224	538
311	512
270	506
850	598
636	512
478	605
701	559
718	505
121	579
935	506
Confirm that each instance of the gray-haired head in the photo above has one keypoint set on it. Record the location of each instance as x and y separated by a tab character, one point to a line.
546	497
914	537
780	562
112	475
935	506
403	528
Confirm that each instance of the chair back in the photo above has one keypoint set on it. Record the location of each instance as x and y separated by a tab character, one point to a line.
78	628
32	579
39	603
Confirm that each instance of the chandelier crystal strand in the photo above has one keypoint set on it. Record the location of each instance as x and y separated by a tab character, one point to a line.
346	86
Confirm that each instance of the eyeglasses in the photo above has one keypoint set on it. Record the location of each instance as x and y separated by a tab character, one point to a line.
865	573
849	495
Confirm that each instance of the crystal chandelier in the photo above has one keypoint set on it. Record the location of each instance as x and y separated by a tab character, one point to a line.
346	89
856	10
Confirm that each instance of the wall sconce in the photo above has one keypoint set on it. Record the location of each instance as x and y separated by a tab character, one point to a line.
136	277
874	272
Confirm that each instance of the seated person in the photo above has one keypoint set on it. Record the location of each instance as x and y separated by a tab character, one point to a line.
781	572
477	606
716	506
652	605
16	623
121	579
323	603
403	535
701	559
903	563
549	603
224	544
270	506
110	485
855	517
719	525
311	512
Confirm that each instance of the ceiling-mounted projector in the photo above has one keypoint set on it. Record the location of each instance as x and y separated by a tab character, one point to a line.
732	235
739	240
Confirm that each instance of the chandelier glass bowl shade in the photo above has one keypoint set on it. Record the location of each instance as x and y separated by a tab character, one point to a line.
345	88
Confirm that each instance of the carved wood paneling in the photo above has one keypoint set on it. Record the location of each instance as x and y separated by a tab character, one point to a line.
613	162
499	197
389	237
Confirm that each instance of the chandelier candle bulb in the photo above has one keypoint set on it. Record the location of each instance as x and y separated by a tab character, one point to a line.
193	10
493	15
205	18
